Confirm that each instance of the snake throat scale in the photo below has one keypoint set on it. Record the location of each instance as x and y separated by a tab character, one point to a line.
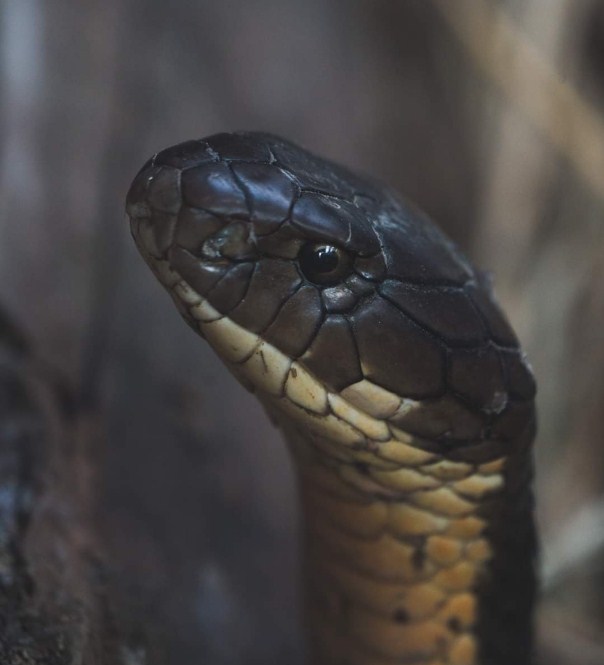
401	390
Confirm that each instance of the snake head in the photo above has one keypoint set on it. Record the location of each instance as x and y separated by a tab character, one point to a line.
348	311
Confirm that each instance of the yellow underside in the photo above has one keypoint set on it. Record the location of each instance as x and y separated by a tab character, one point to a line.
395	545
391	578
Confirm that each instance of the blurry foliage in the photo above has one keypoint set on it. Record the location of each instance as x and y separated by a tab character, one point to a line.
487	114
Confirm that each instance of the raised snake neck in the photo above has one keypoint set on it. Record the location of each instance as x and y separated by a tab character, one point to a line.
398	383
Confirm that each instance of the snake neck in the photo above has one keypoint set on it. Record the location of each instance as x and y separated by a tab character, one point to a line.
400	565
399	384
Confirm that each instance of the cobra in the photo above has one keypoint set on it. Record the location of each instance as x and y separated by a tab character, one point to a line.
399	386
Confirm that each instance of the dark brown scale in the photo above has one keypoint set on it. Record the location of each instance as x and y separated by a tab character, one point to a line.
270	193
214	188
395	353
136	200
448	313
520	381
273	281
294	327
163	192
444	417
312	172
185	155
476	451
239	147
338	299
418	252
477	375
499	328
371	267
231	289
285	242
359	286
327	219
512	422
507	595
164	228
333	354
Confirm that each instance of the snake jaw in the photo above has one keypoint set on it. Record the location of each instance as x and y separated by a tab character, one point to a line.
357	424
287	387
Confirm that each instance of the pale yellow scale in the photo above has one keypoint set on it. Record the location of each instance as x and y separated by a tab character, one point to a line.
400	579
395	541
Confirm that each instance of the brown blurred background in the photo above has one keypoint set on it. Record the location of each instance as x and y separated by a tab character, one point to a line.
489	114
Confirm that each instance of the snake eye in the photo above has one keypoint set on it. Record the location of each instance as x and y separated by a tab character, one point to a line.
323	264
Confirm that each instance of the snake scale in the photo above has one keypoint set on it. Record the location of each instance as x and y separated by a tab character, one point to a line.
382	356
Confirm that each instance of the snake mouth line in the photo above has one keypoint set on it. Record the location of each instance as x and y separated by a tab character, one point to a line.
355	422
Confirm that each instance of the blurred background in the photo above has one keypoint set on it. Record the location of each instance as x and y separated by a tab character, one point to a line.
159	521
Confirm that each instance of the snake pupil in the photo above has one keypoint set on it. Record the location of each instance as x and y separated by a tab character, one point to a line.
323	264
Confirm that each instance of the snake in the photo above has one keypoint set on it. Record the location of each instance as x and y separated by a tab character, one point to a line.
395	378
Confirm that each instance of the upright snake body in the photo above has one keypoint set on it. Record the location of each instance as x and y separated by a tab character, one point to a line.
398	383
